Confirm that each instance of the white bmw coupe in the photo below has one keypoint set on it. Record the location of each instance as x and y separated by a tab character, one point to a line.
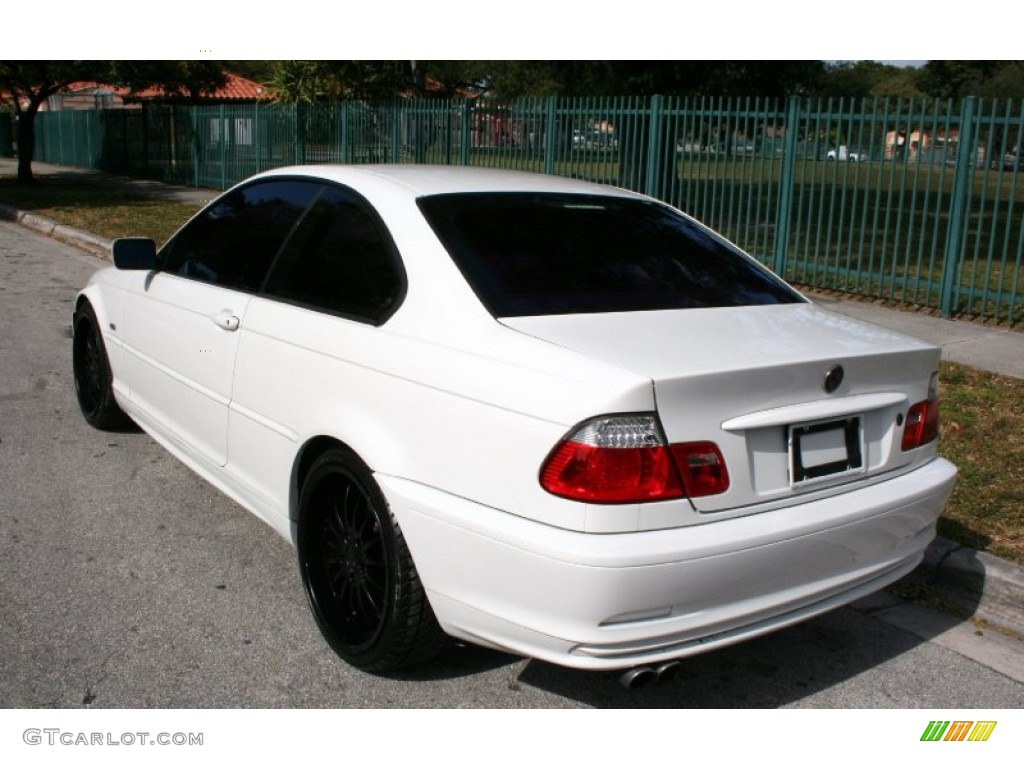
536	414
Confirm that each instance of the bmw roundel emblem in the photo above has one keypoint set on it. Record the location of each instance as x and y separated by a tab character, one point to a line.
833	378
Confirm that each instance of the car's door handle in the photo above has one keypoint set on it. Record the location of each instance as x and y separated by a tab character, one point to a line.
226	320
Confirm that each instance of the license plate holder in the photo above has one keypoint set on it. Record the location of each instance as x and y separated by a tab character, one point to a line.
824	450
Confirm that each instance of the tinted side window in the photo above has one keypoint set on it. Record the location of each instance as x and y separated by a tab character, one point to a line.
341	259
234	242
547	254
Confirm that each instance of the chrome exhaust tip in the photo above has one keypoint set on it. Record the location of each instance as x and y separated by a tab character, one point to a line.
637	677
668	671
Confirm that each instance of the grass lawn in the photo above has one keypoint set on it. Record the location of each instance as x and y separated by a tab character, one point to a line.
982	413
982	433
83	201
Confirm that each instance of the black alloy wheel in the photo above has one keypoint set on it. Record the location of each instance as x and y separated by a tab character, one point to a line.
362	586
93	379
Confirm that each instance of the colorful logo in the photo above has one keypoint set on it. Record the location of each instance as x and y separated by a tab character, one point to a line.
958	730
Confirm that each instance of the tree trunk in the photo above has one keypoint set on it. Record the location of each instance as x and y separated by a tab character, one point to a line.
26	144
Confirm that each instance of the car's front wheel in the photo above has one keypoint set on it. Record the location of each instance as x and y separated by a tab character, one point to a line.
93	379
359	576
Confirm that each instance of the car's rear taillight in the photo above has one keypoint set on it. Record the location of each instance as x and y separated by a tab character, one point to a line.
922	424
613	459
702	468
625	459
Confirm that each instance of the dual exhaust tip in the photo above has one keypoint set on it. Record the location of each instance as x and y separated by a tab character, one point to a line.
638	677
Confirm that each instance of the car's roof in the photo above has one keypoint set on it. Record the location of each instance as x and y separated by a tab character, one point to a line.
423	180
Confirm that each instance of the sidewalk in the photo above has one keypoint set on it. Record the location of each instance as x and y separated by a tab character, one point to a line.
983	586
145	187
999	350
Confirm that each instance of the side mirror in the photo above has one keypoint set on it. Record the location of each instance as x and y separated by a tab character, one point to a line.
134	253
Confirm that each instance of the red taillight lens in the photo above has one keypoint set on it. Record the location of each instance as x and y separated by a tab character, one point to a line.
624	459
702	468
610	475
922	424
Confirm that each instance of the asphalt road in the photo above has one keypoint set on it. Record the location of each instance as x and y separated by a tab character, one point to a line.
127	582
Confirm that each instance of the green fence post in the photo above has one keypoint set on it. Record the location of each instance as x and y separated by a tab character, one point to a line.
784	213
6	134
550	148
346	136
335	153
464	129
297	133
397	117
654	129
222	132
194	122
88	144
965	153
125	145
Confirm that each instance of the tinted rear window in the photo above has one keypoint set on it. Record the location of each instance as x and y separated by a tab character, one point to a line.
549	254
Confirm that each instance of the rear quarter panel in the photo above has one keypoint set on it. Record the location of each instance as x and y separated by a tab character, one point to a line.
475	420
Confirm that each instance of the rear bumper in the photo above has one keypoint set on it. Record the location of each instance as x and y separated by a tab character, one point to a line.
606	601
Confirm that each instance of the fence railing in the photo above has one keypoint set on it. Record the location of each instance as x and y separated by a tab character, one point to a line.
916	201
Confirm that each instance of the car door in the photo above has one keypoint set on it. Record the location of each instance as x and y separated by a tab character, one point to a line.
180	328
311	345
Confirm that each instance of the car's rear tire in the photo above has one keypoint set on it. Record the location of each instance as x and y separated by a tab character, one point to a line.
359	575
93	379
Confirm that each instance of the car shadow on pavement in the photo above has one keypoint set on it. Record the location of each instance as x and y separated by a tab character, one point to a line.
803	665
458	660
808	664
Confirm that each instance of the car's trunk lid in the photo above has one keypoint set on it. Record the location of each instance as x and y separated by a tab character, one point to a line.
753	380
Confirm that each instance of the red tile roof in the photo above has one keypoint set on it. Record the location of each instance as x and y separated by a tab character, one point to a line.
237	88
89	85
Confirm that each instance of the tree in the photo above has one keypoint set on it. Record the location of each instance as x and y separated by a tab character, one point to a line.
511	79
850	79
956	79
29	84
308	81
899	82
252	69
1006	82
861	79
506	80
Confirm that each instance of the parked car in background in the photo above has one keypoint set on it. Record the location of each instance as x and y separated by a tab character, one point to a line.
536	414
845	154
599	140
1009	162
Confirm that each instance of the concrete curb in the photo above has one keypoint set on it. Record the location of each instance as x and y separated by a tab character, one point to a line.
975	583
86	241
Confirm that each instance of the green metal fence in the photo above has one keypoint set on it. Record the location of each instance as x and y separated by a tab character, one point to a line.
917	201
6	134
